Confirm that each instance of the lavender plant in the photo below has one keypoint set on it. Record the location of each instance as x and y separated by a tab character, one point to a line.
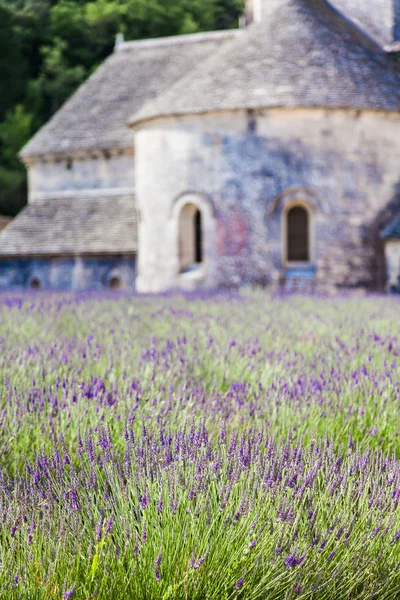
189	447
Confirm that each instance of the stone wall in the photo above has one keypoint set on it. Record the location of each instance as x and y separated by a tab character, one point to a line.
84	175
68	273
245	169
392	251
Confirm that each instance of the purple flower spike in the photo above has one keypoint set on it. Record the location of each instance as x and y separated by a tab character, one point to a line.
157	564
298	590
293	561
109	527
330	557
200	561
68	594
239	583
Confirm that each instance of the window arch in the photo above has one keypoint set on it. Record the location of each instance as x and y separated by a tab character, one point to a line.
297	234
191	247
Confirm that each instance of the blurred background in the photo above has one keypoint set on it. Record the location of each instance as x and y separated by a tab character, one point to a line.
49	47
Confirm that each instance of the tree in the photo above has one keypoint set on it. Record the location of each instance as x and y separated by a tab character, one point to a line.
227	13
48	47
15	131
11	63
58	80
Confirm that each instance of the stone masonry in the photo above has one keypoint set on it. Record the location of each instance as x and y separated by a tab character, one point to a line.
243	169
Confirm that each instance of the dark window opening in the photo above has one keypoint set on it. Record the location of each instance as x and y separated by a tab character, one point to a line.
35	283
191	249
115	283
298	242
198	235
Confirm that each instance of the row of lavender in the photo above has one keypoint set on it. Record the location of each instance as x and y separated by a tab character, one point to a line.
231	446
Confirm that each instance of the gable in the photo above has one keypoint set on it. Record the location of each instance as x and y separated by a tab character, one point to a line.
95	117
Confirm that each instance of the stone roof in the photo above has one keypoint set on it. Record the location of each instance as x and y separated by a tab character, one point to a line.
100	226
302	54
392	230
380	19
95	117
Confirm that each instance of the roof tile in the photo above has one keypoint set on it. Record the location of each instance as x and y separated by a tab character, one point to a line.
73	227
95	117
303	54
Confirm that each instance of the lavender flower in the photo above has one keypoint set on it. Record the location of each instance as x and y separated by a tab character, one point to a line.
69	594
239	583
230	440
293	561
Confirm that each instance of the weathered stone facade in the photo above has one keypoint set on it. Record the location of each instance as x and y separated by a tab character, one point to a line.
244	169
85	174
69	273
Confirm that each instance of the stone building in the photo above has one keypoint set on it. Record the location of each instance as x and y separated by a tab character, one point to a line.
264	155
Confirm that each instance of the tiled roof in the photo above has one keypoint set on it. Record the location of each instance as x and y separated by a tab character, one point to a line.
378	18
96	116
73	227
302	54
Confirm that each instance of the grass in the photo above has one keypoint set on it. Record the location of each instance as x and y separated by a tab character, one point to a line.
221	446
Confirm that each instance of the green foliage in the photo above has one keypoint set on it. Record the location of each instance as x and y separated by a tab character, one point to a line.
10	61
15	131
48	47
58	80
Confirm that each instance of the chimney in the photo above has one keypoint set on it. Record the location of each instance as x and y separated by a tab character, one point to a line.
119	40
253	12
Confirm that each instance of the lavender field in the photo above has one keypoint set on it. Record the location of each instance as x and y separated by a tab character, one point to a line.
220	447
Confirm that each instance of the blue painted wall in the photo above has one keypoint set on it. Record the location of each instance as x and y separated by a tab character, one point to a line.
74	273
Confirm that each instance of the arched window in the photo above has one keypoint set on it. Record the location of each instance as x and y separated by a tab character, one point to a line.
190	237
298	234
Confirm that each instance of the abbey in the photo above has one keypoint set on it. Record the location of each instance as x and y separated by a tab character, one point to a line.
265	155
